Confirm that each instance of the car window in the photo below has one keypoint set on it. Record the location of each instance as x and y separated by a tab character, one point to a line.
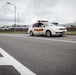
24	25
18	26
48	24
35	25
40	25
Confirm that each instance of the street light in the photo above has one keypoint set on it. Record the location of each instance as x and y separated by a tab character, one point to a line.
17	18
14	14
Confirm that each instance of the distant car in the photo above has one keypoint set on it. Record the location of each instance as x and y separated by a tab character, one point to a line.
4	28
16	27
0	28
24	26
10	27
46	28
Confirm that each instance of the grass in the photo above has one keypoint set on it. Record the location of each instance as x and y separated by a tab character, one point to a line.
13	32
71	32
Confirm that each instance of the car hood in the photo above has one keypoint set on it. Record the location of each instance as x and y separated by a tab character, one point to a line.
55	27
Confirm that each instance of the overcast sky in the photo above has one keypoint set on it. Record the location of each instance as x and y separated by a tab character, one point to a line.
29	11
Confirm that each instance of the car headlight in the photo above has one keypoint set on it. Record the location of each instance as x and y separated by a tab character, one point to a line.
62	29
55	28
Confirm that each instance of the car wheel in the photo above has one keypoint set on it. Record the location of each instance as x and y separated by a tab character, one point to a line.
31	33
48	33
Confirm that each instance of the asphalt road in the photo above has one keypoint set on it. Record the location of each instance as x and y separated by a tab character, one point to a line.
42	55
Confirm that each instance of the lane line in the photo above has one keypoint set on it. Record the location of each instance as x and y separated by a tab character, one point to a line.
4	61
9	60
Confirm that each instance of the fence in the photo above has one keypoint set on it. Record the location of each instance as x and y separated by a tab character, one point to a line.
12	30
71	29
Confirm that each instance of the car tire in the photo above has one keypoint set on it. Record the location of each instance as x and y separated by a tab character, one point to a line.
48	33
31	33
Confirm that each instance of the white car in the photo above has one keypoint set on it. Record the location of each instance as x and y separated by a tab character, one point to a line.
4	28
46	28
24	26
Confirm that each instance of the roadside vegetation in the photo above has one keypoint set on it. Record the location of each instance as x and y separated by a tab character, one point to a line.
13	32
18	31
71	31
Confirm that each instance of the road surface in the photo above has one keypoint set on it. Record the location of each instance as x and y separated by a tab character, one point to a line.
42	55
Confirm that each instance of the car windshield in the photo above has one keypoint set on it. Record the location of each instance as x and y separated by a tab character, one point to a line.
48	24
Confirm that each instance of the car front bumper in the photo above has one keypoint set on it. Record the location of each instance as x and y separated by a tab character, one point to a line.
60	32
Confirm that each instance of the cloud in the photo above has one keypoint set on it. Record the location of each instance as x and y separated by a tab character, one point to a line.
29	11
65	11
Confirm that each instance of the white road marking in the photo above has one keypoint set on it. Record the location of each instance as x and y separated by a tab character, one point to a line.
9	60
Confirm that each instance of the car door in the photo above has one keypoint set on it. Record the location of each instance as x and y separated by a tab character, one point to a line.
41	28
38	28
35	29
